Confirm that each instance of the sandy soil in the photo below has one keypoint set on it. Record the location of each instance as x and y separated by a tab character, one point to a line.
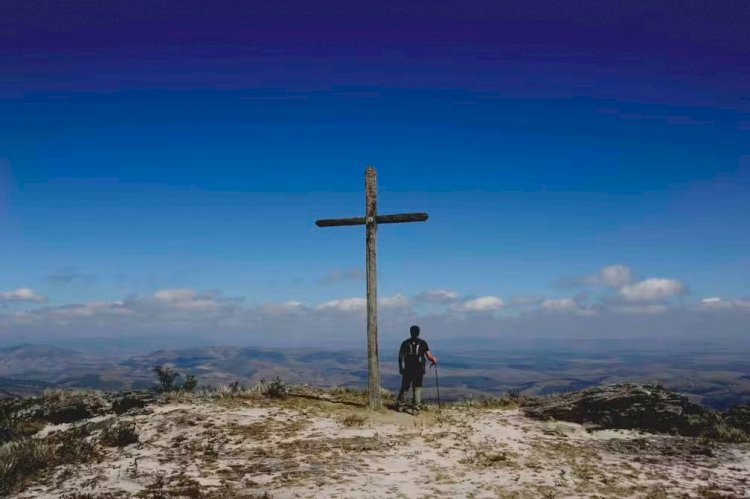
302	448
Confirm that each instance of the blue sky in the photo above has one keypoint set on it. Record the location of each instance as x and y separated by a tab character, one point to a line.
180	171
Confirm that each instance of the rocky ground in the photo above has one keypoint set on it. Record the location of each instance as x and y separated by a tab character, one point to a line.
325	444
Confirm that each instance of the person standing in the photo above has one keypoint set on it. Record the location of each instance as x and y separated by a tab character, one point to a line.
412	364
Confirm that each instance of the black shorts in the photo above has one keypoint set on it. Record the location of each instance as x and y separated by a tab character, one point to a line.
412	378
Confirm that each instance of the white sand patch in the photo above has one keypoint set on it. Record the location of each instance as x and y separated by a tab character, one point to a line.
56	428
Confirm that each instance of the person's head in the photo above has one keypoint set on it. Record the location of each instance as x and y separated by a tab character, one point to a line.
414	331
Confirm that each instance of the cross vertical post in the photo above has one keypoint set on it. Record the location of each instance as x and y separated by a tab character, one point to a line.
371	200
371	221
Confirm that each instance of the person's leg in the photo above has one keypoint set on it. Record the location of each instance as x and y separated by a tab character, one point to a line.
411	373
405	383
417	382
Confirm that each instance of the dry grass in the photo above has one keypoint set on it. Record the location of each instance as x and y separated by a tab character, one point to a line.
490	459
120	434
27	459
265	430
242	443
354	421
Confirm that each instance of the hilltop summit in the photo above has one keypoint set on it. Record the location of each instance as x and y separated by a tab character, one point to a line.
279	441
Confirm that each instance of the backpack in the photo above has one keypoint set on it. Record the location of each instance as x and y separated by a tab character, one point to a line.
414	353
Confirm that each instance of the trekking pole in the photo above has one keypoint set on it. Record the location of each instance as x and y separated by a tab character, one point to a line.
437	385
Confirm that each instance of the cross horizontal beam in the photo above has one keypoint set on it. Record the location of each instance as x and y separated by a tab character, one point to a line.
380	219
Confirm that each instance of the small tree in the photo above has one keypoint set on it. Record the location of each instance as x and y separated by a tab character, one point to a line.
167	377
276	389
190	383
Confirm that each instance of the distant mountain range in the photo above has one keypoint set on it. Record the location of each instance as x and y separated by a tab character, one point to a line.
715	379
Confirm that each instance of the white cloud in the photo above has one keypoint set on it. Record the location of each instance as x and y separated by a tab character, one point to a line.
283	308
524	300
344	305
360	304
187	299
395	301
716	303
616	276
481	304
613	276
642	309
22	295
653	289
180	315
564	304
437	296
174	295
93	308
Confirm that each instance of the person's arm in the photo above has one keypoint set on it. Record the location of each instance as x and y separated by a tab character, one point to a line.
401	359
431	358
429	354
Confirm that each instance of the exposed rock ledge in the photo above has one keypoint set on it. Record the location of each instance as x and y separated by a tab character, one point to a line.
650	408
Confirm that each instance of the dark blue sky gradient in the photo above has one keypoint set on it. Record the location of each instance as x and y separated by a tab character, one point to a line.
153	145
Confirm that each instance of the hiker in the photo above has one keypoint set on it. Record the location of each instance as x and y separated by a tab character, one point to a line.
412	367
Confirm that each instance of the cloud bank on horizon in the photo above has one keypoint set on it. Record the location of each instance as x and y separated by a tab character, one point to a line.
611	303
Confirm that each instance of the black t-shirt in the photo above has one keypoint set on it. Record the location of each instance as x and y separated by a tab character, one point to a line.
413	352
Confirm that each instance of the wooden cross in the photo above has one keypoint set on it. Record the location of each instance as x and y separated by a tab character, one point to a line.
371	221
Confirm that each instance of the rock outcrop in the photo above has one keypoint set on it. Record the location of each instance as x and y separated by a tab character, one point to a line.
650	408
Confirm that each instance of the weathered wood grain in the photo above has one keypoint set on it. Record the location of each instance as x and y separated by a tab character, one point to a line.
380	219
371	201
402	218
341	222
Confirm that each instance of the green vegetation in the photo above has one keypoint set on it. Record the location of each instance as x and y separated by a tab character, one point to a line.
28	458
190	383
17	419
511	400
167	377
275	389
650	407
120	434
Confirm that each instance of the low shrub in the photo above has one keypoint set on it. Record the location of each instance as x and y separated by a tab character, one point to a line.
69	406
498	403
120	434
18	419
25	459
190	383
127	401
276	388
